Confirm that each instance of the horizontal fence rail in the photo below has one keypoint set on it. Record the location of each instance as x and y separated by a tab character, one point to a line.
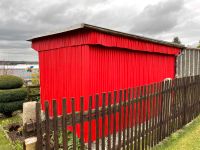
133	118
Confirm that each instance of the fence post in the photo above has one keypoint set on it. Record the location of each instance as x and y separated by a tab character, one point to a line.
30	143
161	108
184	99
38	124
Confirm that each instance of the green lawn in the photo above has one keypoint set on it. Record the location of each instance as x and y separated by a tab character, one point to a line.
187	138
5	144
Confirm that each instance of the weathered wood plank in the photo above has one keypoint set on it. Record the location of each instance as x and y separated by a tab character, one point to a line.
64	126
73	123
55	125
38	125
47	127
82	123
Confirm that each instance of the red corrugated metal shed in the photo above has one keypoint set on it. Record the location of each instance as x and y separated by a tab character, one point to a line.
86	59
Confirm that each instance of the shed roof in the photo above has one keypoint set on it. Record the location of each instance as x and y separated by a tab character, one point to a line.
192	48
108	31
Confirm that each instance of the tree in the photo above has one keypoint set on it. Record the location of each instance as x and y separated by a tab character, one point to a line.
198	45
176	40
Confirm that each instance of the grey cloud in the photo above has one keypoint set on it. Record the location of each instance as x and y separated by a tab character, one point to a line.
18	54
158	18
22	19
13	44
66	12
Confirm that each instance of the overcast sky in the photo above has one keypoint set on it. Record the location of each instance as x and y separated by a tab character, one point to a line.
160	19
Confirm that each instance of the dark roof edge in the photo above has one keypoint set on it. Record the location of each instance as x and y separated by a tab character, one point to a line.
192	48
109	31
71	28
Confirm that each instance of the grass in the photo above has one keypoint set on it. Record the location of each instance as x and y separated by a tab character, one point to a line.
6	121
5	143
187	138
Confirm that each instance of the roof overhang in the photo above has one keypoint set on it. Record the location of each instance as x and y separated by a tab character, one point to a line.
108	31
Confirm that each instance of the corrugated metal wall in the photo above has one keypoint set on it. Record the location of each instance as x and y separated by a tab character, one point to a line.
113	68
64	73
85	70
188	63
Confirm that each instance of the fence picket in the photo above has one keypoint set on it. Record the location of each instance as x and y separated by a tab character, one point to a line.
82	123
97	120
109	121
161	111
73	124
103	120
120	120
55	125
143	118
128	119
38	125
147	117
157	112
47	130
132	117
140	117
114	120
151	116
64	125
167	110
176	97
90	124
136	120
170	107
124	121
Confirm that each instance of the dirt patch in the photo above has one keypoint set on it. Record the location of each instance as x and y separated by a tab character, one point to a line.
14	131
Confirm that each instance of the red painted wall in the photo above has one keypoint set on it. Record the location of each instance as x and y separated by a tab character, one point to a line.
83	63
86	70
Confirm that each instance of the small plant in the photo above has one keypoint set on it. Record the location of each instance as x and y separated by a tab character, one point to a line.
69	140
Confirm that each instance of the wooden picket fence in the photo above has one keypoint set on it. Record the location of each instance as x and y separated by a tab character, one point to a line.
152	112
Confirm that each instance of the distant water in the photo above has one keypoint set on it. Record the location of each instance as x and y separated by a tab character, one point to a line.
21	72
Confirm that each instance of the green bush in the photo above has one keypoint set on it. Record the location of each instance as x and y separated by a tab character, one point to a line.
10	82
8	108
12	95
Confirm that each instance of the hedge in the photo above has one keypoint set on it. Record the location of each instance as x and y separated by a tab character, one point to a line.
12	95
10	82
8	108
